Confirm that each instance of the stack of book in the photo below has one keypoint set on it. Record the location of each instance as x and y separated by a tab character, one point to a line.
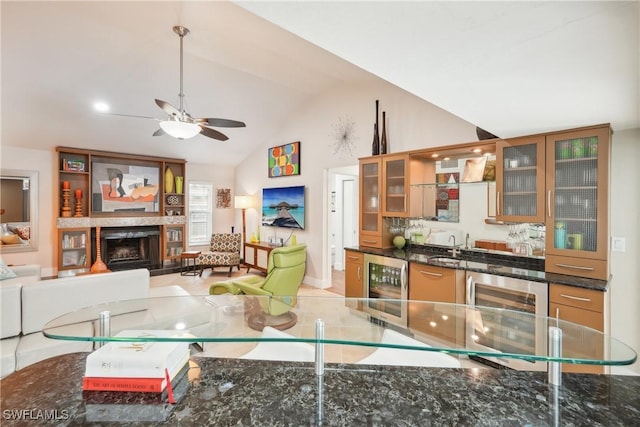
135	381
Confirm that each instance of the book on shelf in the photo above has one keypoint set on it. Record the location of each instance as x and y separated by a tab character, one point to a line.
138	384
140	359
131	407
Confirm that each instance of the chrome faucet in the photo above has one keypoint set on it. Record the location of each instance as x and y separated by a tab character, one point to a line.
453	251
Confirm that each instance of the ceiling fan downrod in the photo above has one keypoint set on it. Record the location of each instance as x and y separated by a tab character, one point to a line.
181	32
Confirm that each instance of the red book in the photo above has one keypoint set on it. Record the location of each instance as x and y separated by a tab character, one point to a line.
136	384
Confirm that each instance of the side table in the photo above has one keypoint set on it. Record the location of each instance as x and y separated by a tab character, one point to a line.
187	267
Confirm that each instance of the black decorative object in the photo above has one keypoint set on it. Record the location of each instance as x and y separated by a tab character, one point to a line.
375	146
383	139
483	134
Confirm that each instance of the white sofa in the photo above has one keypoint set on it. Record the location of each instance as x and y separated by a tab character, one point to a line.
27	304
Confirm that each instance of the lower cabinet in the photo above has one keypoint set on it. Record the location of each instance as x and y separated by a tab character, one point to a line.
173	242
74	251
585	307
437	284
354	274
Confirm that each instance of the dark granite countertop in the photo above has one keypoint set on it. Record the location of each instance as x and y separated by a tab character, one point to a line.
486	262
232	392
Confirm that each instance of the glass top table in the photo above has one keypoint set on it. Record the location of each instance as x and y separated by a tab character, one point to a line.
227	323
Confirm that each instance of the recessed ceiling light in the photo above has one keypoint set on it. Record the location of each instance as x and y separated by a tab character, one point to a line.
101	107
477	150
434	155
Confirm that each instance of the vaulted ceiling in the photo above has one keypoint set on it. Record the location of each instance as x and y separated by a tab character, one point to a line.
510	67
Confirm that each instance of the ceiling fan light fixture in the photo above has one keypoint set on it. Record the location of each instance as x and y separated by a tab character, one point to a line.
180	130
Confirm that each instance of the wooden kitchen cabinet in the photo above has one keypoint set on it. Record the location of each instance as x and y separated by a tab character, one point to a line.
354	278
436	284
585	307
577	192
520	179
373	232
395	188
354	274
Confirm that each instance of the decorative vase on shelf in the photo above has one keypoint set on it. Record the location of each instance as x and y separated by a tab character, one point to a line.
375	146
168	180
179	184
383	138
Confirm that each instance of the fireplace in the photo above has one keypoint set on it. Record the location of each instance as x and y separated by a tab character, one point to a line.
126	248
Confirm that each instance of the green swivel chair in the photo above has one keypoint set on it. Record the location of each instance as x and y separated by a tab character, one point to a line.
277	291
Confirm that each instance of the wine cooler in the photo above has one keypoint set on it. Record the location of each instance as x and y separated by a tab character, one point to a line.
386	289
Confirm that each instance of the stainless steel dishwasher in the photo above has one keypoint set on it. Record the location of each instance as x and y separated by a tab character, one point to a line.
496	333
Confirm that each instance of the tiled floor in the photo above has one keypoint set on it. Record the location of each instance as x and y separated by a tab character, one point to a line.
197	285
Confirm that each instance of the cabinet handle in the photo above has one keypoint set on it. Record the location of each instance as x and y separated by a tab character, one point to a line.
370	241
470	297
549	203
430	273
498	203
403	277
557	313
353	257
359	273
575	267
576	298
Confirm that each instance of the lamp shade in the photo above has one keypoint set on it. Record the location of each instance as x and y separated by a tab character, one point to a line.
243	202
180	130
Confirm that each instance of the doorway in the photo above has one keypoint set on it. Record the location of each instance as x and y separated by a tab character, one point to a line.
342	223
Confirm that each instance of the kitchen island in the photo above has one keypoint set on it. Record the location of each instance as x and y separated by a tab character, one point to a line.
226	392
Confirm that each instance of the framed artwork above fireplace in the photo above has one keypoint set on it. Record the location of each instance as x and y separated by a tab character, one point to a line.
128	187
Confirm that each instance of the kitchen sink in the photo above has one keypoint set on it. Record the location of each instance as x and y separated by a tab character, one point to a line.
454	262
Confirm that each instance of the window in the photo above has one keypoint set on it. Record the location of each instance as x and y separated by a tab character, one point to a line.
200	213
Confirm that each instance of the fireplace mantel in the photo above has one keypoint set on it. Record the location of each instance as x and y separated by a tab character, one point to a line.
83	222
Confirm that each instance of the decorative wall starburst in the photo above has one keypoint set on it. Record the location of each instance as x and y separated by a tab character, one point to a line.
343	136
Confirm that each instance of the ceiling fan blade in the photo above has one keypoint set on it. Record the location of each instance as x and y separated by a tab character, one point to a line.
159	132
168	108
131	115
212	133
225	123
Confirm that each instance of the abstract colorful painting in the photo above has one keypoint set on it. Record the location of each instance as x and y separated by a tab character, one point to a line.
284	160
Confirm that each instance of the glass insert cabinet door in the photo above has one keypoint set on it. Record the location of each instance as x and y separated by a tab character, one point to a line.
370	196
395	173
577	193
520	186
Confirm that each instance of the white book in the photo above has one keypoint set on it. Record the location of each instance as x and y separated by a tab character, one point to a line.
140	359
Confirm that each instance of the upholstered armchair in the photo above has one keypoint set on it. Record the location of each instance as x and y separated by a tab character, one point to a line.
278	290
224	251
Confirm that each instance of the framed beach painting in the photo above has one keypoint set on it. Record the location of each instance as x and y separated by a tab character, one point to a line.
284	160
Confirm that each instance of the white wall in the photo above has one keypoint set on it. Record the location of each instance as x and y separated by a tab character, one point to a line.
411	123
625	222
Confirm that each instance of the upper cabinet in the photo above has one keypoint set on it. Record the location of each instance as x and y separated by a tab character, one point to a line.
520	180
577	193
395	177
372	232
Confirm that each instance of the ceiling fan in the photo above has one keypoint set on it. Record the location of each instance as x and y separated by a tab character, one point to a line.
180	124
